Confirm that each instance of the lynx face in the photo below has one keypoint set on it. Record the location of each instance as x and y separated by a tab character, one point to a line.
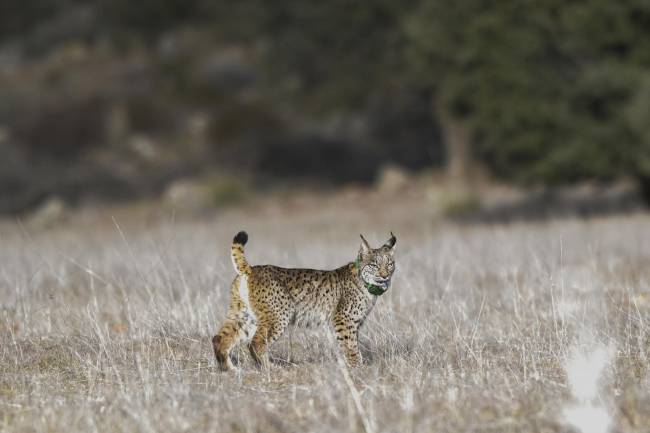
377	265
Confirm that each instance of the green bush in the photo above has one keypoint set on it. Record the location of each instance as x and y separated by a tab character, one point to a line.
225	191
459	205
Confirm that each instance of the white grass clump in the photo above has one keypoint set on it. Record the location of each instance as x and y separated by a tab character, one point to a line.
584	370
588	418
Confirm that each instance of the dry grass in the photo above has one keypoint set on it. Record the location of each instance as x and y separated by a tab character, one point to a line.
109	329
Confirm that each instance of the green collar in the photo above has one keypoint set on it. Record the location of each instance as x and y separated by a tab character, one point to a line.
372	288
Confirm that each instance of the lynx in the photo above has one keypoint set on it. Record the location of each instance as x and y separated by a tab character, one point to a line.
266	299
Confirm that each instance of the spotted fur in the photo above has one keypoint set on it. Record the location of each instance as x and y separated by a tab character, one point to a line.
266	299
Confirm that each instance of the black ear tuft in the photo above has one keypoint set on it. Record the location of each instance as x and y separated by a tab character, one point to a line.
241	238
390	243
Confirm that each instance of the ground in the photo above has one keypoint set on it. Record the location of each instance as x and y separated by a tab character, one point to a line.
106	324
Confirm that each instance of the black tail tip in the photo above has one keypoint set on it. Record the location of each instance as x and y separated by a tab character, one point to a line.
241	238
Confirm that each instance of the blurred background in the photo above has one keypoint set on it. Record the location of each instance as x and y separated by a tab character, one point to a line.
485	110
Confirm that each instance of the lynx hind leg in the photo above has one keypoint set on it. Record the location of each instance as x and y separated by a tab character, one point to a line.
269	330
275	313
240	325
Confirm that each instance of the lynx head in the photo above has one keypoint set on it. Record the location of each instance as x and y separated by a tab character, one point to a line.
376	265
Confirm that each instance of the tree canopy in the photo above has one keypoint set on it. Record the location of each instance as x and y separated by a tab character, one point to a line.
552	91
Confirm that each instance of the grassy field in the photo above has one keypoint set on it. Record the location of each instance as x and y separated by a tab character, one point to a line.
106	326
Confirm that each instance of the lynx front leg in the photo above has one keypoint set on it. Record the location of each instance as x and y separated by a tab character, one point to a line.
346	334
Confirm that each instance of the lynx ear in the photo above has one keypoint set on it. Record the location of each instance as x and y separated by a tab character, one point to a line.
364	245
390	243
